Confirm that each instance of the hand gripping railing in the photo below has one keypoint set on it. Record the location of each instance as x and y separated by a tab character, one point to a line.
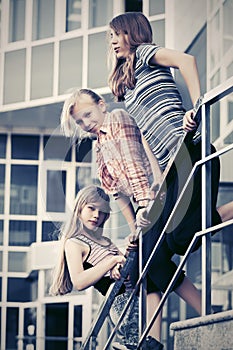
90	342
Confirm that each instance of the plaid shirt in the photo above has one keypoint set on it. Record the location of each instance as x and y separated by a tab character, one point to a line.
123	166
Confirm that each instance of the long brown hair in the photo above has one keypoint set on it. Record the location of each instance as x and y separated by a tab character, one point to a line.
137	30
61	283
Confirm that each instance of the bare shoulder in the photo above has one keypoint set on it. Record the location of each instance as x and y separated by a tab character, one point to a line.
76	244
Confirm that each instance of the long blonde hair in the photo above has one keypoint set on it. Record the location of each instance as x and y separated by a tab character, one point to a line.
137	29
61	283
67	122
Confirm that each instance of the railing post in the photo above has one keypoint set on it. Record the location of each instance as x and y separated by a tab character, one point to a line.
143	290
206	212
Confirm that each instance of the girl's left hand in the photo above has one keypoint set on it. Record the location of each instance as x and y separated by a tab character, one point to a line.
141	218
188	123
115	272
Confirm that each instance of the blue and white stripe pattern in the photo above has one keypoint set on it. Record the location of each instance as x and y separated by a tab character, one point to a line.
156	105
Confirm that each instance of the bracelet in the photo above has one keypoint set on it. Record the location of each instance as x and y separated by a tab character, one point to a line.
197	104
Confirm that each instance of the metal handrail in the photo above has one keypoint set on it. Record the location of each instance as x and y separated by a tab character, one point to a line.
209	98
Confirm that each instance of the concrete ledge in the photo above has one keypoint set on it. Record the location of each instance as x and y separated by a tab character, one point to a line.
211	332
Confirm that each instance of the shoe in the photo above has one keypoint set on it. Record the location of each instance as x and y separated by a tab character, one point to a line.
119	346
153	344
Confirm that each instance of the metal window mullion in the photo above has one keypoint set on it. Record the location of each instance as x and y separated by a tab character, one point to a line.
206	212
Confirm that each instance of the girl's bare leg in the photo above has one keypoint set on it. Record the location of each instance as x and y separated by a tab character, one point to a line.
226	211
190	294
153	300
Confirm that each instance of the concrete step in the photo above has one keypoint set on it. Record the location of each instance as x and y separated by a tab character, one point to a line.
212	332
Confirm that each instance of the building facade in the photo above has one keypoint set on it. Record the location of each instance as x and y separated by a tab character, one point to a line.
47	48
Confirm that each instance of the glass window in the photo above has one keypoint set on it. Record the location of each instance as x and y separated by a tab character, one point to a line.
156	7
56	191
1	232
23	197
2	146
57	148
73	14
84	151
215	39
17	262
42	71
18	290
43	19
54	312
30	325
227	25
2	187
97	71
215	121
158	28
100	12
70	64
78	311
230	110
16	20
22	233
12	323
14	78
83	178
25	147
50	230
1	260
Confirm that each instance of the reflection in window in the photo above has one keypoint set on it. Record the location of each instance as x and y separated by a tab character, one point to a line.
70	64
83	178
18	290
100	12
42	78
158	28
57	148
156	7
43	19
227	25
16	20
23	197
14	89
17	261
84	151
12	323
56	191
1	232
25	147
30	322
2	187
2	146
22	233
97	77
50	231
73	14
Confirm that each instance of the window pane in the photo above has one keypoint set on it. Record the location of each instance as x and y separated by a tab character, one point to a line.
25	147
42	71
18	289
14	89
78	310
23	199
84	151
215	39
12	323
83	178
56	191
2	146
158	28
50	230
70	64
22	233
73	14
30	324
1	232
16	20
227	25
17	262
2	187
100	12
97	63
43	19
1	260
156	7
57	148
